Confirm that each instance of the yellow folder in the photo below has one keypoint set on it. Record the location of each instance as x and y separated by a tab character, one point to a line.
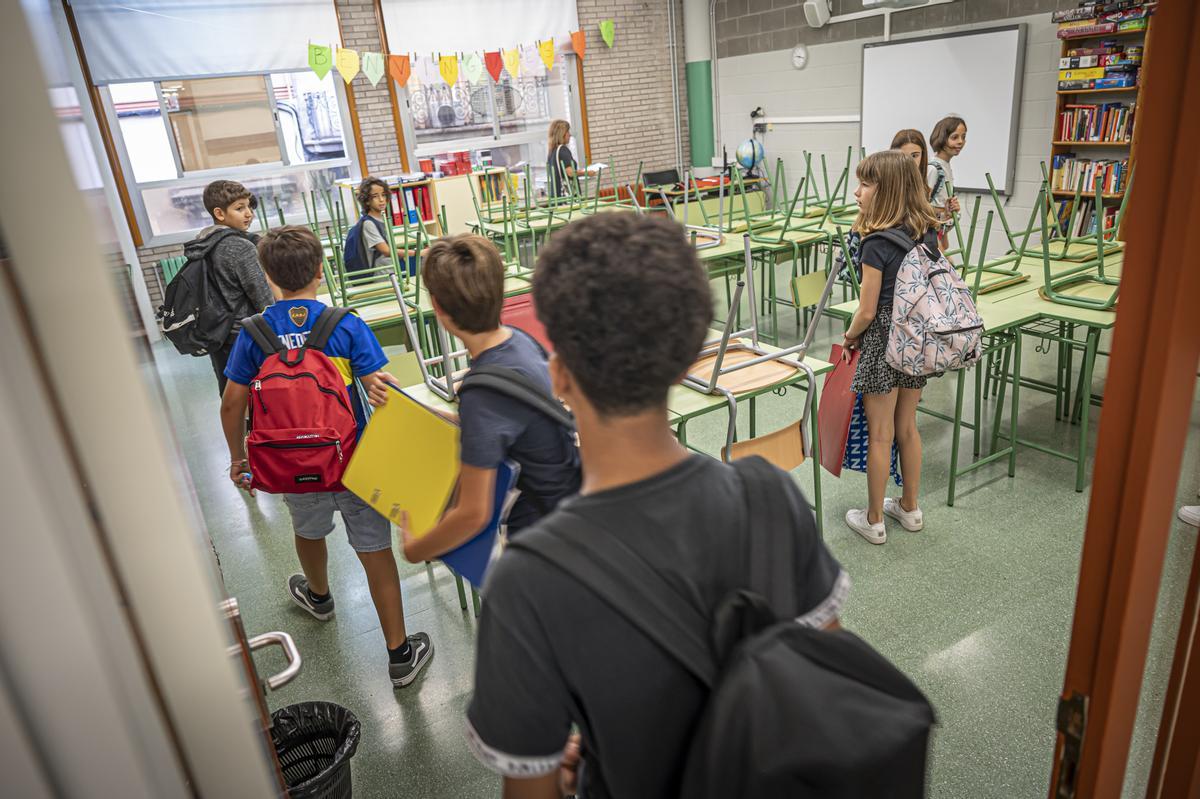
406	460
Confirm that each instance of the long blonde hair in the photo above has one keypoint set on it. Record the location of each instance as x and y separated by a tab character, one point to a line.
560	131
901	196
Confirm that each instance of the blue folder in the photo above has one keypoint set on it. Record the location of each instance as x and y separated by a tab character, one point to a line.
471	560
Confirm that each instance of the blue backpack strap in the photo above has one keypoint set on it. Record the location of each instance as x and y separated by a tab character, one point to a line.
262	334
941	178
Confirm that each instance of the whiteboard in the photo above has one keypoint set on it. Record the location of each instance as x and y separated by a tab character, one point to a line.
912	83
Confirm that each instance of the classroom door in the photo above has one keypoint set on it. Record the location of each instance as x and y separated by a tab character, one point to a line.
1156	346
116	677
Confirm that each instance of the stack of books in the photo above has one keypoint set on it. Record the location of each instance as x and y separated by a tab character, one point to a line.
1106	122
1070	170
1111	65
1099	18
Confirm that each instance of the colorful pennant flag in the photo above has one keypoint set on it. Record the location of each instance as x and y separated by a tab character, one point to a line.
578	43
399	67
472	67
546	51
512	62
531	62
607	31
372	67
448	67
495	64
320	59
347	63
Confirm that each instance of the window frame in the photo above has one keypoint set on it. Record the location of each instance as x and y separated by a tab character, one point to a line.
349	160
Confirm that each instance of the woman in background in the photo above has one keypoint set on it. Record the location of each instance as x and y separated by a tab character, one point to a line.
560	163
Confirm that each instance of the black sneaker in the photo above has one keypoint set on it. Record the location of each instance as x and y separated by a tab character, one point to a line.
298	589
422	650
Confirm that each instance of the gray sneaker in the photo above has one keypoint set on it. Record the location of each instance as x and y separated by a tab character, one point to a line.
422	651
298	589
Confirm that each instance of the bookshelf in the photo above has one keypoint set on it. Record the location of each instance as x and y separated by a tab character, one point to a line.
1068	100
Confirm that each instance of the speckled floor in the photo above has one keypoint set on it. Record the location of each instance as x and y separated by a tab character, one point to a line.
976	608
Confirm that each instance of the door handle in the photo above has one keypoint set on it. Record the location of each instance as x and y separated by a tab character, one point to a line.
290	651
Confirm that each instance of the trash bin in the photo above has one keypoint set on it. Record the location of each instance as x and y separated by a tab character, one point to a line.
314	742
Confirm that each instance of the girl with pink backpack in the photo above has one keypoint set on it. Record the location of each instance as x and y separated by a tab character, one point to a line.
892	199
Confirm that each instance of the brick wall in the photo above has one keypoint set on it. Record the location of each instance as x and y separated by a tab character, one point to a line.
149	258
628	88
360	31
760	26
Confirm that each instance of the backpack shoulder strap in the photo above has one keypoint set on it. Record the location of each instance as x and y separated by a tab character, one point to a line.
262	334
626	583
901	240
323	328
512	383
769	575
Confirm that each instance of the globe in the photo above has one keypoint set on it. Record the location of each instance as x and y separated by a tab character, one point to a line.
749	153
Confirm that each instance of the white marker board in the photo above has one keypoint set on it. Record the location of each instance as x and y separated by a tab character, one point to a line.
912	83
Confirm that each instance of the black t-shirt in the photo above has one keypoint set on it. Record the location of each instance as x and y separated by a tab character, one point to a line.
879	253
558	183
495	427
552	654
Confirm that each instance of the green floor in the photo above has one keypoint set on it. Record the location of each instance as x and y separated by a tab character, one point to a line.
976	608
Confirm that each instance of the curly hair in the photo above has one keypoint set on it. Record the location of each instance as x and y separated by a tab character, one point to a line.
363	192
627	305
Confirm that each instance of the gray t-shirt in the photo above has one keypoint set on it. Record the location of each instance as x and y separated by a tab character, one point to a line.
371	237
495	427
551	653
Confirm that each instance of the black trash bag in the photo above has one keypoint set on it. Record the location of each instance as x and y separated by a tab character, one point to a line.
314	742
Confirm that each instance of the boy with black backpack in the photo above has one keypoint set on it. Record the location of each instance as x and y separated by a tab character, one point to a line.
513	419
620	612
294	366
227	256
367	246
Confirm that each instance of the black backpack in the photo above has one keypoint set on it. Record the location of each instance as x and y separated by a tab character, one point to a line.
194	315
792	711
512	383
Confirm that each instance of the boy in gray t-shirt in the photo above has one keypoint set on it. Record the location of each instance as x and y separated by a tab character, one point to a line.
372	196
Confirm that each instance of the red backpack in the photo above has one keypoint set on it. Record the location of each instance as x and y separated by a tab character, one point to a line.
303	429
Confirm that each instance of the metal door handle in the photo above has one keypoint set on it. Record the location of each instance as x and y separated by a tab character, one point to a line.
289	651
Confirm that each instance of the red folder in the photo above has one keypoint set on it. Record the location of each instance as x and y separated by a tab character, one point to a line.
518	311
835	410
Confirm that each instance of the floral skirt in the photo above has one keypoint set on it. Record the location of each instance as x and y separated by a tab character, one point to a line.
874	375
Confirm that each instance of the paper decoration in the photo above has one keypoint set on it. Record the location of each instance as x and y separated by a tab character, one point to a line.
448	67
347	63
399	67
372	67
495	64
546	51
472	67
578	43
531	63
320	59
607	31
426	69
512	62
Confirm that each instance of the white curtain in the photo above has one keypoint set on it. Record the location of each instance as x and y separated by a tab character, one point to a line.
156	39
467	26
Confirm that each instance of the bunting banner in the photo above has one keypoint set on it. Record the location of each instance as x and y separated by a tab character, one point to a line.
399	67
372	67
448	67
495	64
472	67
607	31
347	63
579	43
546	51
320	59
512	62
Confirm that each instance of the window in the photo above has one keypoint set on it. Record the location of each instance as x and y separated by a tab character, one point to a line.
500	124
280	134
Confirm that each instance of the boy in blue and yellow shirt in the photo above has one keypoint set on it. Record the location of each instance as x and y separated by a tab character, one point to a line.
291	256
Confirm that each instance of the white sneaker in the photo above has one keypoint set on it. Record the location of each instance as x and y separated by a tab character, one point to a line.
1190	514
856	520
911	520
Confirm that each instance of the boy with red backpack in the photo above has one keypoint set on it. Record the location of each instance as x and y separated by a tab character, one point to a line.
294	365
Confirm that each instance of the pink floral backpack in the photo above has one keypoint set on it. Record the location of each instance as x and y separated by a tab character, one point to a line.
935	325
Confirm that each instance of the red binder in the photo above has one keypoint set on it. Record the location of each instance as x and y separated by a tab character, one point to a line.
835	410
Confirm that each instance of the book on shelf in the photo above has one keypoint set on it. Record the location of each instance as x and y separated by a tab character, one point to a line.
1081	31
1068	170
1085	218
1081	74
1104	122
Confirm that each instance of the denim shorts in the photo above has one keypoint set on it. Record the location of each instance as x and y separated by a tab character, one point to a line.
312	518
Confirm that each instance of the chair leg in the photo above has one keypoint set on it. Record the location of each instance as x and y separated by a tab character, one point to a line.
1001	387
1089	361
1012	415
955	429
462	594
475	601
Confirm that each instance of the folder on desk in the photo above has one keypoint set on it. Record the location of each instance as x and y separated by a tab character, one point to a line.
406	460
